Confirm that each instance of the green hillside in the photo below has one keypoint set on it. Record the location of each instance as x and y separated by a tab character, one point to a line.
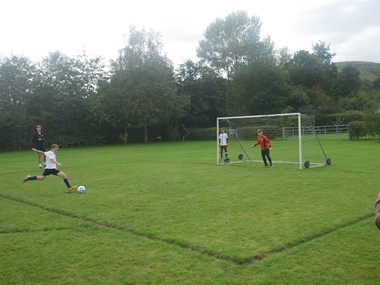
369	71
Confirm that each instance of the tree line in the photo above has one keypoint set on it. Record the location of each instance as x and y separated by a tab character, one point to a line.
140	97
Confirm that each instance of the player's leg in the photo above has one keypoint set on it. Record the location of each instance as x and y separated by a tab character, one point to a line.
64	177
43	155
263	156
39	160
31	178
66	180
225	151
269	159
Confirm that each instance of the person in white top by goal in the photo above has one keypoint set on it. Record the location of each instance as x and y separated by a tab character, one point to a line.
223	143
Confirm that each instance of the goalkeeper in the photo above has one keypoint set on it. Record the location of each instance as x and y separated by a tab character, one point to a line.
223	143
265	145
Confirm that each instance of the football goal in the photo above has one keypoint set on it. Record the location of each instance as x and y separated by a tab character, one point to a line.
292	135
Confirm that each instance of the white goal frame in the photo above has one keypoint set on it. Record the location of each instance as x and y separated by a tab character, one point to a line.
263	116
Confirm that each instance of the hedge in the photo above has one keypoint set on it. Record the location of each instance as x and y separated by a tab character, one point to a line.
340	118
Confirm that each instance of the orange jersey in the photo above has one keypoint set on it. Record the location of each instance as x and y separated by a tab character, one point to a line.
264	142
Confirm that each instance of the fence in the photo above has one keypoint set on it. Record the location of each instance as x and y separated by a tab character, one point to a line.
333	132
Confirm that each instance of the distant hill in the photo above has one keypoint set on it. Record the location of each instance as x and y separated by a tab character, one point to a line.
369	71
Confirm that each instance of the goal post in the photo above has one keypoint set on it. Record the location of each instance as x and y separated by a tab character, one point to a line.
292	135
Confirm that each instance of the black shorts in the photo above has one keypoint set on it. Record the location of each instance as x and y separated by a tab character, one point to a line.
48	172
40	146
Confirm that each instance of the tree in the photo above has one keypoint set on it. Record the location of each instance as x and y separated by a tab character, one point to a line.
142	86
316	74
283	56
322	51
359	101
233	42
17	84
205	92
348	82
376	83
311	69
262	88
328	69
71	76
62	98
298	99
304	69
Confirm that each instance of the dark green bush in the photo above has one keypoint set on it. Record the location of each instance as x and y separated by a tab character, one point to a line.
202	134
357	129
342	118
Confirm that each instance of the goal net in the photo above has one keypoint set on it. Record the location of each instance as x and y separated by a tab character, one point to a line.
292	135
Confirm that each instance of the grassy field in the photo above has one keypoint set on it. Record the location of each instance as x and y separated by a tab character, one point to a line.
166	214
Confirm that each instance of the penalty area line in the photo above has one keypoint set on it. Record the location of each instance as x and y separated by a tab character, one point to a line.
201	251
307	240
96	224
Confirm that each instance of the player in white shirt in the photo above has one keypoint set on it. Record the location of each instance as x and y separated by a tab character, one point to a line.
223	144
51	168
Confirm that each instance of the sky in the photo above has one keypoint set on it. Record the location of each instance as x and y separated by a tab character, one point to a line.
33	28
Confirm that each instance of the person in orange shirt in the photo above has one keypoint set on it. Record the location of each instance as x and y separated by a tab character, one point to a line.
265	145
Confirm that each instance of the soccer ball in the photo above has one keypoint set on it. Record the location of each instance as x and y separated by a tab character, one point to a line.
81	189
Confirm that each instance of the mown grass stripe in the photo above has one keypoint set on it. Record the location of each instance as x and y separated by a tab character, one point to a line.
243	262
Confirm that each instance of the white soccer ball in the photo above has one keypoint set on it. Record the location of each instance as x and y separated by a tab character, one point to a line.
81	189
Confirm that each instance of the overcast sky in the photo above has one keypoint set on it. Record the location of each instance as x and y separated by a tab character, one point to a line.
34	28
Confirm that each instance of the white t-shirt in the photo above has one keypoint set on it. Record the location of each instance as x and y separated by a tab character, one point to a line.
223	138
50	155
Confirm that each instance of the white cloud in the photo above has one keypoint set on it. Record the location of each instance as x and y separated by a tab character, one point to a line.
351	27
34	28
359	45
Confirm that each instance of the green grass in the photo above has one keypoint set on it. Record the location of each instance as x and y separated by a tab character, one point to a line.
166	214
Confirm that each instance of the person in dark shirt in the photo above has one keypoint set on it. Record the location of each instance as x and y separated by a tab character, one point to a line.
39	142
